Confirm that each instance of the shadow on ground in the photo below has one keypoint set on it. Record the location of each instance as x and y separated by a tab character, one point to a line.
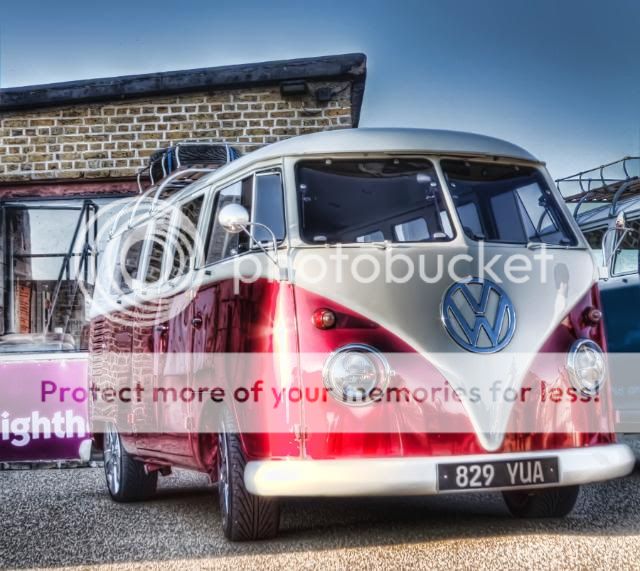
65	517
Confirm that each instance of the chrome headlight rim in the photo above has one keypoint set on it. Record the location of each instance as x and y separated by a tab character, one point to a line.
574	378
381	384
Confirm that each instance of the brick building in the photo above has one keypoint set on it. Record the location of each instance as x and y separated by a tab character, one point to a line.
88	139
79	136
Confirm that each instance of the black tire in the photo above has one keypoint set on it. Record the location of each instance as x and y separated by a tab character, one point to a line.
245	517
126	478
550	502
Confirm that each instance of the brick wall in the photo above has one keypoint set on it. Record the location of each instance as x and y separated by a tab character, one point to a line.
24	309
112	140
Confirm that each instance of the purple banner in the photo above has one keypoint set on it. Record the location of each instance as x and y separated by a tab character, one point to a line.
35	429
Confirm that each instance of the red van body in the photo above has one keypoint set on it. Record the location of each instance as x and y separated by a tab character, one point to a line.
273	345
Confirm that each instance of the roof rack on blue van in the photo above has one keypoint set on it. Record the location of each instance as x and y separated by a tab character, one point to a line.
607	183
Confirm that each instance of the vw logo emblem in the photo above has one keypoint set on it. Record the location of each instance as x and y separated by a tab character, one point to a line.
478	315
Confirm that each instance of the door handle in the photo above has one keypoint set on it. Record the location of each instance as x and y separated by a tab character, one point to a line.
161	328
197	322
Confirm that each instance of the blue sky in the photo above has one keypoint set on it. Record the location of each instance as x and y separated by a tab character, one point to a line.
561	78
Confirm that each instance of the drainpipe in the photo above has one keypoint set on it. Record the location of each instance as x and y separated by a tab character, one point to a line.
9	285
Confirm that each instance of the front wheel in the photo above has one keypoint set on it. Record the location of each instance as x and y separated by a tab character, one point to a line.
245	517
550	502
127	480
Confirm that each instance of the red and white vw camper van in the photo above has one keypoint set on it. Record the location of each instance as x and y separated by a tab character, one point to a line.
358	312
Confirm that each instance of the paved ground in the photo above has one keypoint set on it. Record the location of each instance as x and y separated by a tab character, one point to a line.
53	518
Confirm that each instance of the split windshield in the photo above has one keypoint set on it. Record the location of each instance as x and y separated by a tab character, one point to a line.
346	201
505	203
400	200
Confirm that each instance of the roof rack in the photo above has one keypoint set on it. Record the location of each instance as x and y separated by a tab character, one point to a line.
172	169
150	196
607	183
200	154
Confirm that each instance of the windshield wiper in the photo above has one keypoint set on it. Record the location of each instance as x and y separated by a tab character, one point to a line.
540	245
382	244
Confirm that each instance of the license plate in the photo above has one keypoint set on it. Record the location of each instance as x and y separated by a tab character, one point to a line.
499	474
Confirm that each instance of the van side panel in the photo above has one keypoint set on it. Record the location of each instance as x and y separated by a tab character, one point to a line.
258	320
217	327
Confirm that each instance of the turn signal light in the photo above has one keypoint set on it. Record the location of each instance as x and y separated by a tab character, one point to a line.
592	315
323	318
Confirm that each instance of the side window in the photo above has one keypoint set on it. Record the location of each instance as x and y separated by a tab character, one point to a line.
536	213
128	262
626	257
511	227
269	207
376	236
184	238
222	244
470	220
594	238
158	247
412	231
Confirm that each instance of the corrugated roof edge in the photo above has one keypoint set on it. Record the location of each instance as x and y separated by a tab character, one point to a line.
343	66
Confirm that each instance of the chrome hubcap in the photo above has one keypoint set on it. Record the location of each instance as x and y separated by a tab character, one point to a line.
112	456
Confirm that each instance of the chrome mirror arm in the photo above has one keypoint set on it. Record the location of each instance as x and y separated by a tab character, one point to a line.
234	218
274	244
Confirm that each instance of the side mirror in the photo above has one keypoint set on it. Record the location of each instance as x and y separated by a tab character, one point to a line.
612	241
234	218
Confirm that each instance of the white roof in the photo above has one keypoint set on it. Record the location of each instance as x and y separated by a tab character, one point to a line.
374	140
371	140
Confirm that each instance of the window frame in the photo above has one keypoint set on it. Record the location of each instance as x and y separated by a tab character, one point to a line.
446	204
612	263
629	221
9	256
167	259
153	223
212	210
141	258
615	274
397	230
563	217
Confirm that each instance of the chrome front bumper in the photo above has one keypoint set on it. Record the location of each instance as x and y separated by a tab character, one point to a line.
418	475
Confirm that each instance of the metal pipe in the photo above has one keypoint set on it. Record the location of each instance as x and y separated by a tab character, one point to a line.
10	308
578	174
618	194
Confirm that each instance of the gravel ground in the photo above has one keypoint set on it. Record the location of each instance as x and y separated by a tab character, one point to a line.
54	518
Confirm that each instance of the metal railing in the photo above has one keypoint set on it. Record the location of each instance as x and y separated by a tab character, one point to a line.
89	209
607	183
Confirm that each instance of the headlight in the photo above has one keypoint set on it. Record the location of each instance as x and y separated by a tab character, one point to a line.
353	372
586	366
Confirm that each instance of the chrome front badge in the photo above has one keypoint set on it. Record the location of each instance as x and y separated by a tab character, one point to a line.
478	315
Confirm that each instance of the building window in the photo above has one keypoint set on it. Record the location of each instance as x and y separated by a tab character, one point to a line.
44	276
